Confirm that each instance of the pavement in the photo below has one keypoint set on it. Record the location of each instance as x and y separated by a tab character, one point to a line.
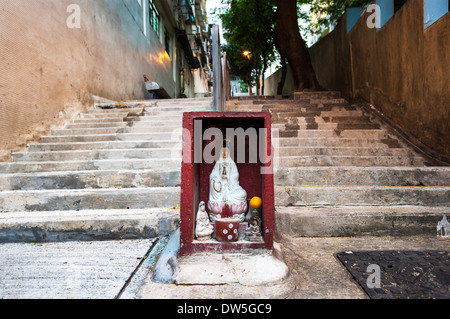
315	272
71	270
122	270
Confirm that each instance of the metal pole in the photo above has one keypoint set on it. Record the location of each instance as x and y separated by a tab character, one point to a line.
217	70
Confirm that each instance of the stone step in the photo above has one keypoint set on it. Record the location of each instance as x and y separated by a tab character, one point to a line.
293	122
172	111
318	102
127	134
299	115
190	102
293	104
333	142
157	113
357	221
154	121
164	118
310	118
358	161
99	110
363	176
89	165
105	118
313	110
346	119
88	199
75	155
343	151
157	122
335	112
48	147
337	131
114	127
435	196
374	133
316	122
239	108
166	107
123	127
91	131
159	132
125	106
93	125
118	179
151	126
316	95
314	125
87	225
302	111
282	103
111	137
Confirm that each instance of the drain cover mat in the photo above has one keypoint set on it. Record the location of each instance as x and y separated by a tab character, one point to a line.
400	274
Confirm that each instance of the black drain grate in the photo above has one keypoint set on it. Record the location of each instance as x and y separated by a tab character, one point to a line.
400	274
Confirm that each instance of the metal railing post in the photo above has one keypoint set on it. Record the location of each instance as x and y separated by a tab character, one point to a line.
217	70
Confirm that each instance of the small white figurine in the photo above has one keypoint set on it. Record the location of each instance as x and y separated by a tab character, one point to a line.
203	228
225	188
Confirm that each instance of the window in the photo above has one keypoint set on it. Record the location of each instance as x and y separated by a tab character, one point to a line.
154	17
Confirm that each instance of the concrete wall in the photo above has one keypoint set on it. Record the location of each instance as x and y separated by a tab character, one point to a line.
271	83
402	69
49	71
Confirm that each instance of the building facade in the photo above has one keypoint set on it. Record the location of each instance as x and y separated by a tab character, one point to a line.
59	56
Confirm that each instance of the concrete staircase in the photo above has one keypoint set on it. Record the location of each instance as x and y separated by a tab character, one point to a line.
340	173
113	173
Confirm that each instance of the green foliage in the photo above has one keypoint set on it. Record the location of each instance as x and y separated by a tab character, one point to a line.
328	12
249	26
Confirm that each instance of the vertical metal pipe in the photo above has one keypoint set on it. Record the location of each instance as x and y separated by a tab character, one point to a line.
217	70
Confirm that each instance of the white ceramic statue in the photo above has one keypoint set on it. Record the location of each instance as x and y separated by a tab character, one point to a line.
203	228
225	189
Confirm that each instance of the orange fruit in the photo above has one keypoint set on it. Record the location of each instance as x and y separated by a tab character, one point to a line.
256	202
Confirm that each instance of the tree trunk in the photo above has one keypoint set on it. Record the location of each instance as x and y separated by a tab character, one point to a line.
258	85
294	48
283	75
262	76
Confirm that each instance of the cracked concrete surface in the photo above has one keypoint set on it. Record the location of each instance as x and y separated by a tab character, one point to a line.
314	271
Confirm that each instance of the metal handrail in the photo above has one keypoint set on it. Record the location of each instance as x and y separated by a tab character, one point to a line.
220	73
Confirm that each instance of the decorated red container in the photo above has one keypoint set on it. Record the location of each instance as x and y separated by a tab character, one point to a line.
227	229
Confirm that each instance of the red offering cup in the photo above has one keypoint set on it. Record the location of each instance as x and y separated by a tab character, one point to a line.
227	229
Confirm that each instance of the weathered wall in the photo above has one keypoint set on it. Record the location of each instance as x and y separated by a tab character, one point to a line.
271	83
49	71
403	70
